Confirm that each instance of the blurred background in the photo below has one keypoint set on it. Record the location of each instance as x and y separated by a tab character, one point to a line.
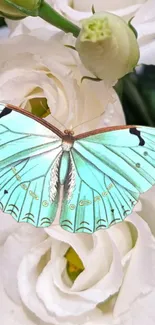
136	91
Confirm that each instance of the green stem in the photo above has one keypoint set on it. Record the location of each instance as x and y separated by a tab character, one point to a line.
54	18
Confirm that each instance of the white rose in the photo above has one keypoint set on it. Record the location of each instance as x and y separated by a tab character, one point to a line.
26	25
39	68
77	9
143	12
116	284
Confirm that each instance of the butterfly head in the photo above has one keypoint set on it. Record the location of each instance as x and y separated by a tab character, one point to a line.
68	139
69	132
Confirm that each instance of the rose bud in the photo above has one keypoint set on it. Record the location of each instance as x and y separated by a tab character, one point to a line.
107	46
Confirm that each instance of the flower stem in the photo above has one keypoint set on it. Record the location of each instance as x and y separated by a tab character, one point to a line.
54	18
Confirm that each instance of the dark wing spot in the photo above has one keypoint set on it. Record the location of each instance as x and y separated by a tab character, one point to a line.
14	206
12	211
133	202
125	212
1	206
67	221
100	226
66	226
28	218
6	192
137	133
83	228
45	222
46	219
84	222
101	220
114	221
5	112
28	214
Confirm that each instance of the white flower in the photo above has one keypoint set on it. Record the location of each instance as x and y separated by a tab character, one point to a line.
28	24
143	12
38	68
116	285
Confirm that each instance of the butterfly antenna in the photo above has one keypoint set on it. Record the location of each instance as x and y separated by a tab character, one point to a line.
53	116
88	121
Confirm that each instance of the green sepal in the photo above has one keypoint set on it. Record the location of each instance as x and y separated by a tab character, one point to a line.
133	28
93	9
11	17
29	12
70	47
90	78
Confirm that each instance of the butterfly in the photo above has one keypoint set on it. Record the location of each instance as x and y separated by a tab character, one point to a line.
89	181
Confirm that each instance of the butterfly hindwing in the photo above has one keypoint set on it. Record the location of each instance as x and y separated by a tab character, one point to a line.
97	201
26	161
111	170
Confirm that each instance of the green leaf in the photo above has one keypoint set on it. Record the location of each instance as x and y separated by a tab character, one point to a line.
137	95
2	22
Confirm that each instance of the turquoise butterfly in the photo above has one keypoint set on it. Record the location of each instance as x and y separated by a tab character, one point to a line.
90	181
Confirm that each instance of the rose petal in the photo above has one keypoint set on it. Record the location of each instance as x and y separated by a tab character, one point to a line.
7	226
141	312
148	208
120	234
64	7
29	280
27	24
140	272
64	296
147	55
13	314
17	244
145	13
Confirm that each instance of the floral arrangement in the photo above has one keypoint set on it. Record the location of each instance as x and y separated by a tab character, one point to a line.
64	61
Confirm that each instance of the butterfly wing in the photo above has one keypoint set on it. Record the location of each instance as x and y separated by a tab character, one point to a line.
109	170
29	154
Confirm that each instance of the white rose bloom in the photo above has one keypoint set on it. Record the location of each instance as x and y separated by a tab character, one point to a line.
26	25
115	286
143	12
35	69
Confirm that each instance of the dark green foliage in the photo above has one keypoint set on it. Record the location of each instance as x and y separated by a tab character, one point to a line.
137	94
2	22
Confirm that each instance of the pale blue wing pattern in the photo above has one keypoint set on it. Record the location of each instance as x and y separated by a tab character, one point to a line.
26	160
110	170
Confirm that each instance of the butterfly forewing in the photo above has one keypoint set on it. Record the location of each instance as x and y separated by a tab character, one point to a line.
28	152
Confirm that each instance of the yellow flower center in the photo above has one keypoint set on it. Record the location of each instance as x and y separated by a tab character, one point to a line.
96	30
74	264
38	106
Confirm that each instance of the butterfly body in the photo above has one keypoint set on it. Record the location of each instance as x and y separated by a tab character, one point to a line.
64	167
101	173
